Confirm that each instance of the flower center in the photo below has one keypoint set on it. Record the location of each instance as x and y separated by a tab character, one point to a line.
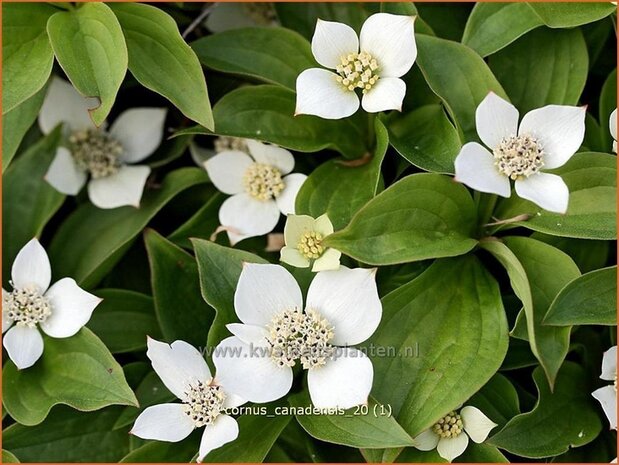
296	335
263	182
204	403
96	152
519	156
225	143
357	71
26	306
310	245
450	426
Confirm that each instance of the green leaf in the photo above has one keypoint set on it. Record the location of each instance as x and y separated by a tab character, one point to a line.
257	434
69	436
27	56
592	211
78	371
561	419
119	307
459	76
161	452
590	299
543	67
568	14
220	268
426	138
91	241
33	200
371	429
16	123
453	316
175	282
547	271
587	254
160	60
89	45
492	26
266	112
9	457
274	55
340	190
421	216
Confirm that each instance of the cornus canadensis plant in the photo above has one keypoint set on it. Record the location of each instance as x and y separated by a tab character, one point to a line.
60	310
278	331
372	64
260	185
204	400
313	230
546	138
105	159
304	237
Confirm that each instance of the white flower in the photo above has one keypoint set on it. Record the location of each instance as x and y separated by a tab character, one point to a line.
372	63
546	139
450	435
106	156
612	124
342	309
607	396
303	236
60	310
259	187
231	15
204	400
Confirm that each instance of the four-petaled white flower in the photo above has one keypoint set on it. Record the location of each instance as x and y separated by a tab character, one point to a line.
204	400
60	310
546	138
304	238
607	396
259	187
106	157
612	124
342	309
373	64
450	435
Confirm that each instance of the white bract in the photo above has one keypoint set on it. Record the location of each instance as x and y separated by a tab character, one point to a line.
342	309
304	238
546	138
259	184
371	63
607	396
612	124
450	435
59	311
204	400
106	157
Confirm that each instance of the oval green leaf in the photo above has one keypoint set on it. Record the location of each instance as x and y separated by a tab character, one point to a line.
274	55
27	55
421	216
89	45
162	61
590	299
571	14
449	333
